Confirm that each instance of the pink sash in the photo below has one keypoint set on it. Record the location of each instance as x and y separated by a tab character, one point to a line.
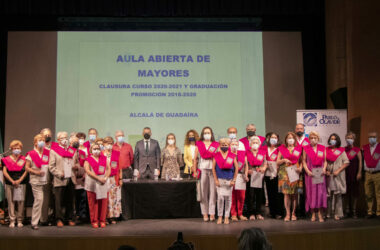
241	159
227	163
371	160
333	155
13	166
39	161
69	153
245	141
114	162
292	157
99	167
352	152
305	142
256	160
207	153
273	155
82	157
316	157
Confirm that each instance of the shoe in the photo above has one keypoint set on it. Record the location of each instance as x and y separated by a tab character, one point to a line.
95	225
219	222
12	225
71	223
287	218
212	218
59	223
243	218
226	221
20	225
234	218
35	227
294	217
278	217
259	217
336	218
205	218
252	217
113	222
102	225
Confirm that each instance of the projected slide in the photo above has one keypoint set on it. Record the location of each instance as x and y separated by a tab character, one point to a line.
169	81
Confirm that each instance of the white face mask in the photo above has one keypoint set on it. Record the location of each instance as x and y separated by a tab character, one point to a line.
108	147
16	151
207	136
255	146
171	142
232	136
313	141
372	140
40	144
350	141
290	141
64	142
81	142
332	142
96	152
273	141
234	148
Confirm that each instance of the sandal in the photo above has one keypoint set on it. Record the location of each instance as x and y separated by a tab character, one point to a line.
252	217
243	218
260	217
294	218
226	221
219	221
234	218
287	218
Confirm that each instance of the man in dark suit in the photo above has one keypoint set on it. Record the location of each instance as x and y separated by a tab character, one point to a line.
147	156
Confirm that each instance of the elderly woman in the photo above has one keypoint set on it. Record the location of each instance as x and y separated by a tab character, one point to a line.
314	163
257	165
289	159
337	162
37	161
15	180
225	169
61	162
171	158
353	174
97	171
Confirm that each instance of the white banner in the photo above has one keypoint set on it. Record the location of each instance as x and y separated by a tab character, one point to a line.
325	122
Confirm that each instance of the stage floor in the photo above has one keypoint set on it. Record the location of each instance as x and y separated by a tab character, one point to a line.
136	232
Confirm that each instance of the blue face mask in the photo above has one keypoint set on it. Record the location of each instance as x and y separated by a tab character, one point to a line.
40	144
372	140
101	147
332	142
120	139
92	137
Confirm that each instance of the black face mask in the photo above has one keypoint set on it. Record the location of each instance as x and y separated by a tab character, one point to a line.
191	138
76	145
146	136
251	133
47	139
299	133
224	149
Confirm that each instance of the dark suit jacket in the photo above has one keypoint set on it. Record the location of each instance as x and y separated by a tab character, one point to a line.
152	158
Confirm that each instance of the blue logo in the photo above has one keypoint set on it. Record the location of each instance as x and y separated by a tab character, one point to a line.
310	119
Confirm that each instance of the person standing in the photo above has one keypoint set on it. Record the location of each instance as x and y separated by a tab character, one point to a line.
171	158
15	179
371	153
189	152
353	175
314	162
147	156
337	162
37	161
61	161
251	131
204	153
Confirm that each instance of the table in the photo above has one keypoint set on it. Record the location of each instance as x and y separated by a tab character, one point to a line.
149	199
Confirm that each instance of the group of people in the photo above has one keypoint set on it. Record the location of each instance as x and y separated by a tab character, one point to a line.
84	178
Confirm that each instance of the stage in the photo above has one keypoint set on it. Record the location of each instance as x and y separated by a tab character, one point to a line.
159	234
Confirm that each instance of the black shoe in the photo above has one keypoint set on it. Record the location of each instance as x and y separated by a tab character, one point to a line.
370	216
35	227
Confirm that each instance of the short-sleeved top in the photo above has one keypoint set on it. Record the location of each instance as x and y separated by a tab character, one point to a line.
227	174
15	175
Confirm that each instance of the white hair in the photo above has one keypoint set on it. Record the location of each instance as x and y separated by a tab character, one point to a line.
61	134
250	124
254	138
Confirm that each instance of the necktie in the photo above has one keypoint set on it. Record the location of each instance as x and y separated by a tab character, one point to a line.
146	147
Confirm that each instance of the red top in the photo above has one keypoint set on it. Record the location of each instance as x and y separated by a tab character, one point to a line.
126	154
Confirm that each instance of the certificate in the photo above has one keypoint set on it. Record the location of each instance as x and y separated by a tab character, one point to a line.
257	179
224	188
18	194
101	191
272	169
292	173
317	176
240	183
67	169
44	168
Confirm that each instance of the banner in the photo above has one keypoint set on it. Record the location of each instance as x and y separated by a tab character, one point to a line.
325	122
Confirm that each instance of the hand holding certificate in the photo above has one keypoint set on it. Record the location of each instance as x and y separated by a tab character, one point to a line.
257	179
317	175
293	175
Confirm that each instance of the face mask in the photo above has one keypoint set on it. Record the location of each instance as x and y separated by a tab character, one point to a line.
64	142
120	139
251	133
92	137
234	148
108	147
171	142
96	152
232	136
47	138
191	138
332	142
255	146
146	136
299	133
101	147
350	141
273	141
313	141
76	144
207	136
290	141
16	151
372	140
81	142
40	144
224	149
